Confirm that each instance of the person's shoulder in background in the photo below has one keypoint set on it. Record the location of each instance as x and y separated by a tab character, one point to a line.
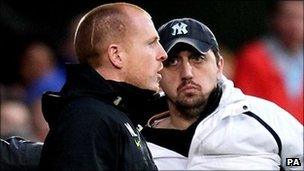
19	154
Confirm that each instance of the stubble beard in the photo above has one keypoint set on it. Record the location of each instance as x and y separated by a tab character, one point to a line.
191	105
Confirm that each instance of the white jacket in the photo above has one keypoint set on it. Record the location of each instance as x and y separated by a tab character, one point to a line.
166	159
243	133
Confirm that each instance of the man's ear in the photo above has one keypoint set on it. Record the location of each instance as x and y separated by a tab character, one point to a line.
114	54
221	63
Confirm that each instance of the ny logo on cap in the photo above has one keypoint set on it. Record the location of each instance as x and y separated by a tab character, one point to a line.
179	28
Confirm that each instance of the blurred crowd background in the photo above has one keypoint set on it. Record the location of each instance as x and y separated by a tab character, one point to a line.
261	42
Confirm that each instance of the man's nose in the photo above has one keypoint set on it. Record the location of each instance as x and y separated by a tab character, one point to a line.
162	55
186	71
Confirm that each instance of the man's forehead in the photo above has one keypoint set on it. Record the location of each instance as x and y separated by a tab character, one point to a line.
139	18
141	22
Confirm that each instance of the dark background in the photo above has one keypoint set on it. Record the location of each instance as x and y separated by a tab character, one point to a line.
233	22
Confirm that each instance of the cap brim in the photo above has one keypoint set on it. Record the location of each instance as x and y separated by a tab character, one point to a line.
198	45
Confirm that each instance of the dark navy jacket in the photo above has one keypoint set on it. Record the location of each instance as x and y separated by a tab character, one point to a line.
93	124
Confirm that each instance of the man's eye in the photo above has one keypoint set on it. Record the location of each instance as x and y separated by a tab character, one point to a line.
197	58
170	62
152	43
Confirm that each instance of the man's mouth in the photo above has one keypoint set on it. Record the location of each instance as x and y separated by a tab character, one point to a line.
187	87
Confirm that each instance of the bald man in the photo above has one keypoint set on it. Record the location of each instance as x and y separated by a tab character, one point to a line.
94	119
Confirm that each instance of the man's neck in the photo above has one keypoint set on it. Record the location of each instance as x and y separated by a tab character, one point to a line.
177	121
109	73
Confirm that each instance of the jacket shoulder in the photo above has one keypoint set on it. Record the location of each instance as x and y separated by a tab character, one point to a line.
92	107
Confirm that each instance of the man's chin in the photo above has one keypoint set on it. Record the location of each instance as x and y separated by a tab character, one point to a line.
154	88
189	101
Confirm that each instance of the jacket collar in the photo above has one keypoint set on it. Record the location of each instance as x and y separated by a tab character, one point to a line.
137	103
233	101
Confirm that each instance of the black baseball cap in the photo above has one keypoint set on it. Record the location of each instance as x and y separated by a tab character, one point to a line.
189	31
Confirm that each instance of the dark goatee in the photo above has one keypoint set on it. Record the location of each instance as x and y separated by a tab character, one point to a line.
190	111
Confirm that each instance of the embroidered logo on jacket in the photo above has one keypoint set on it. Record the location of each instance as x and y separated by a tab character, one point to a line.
134	134
130	129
